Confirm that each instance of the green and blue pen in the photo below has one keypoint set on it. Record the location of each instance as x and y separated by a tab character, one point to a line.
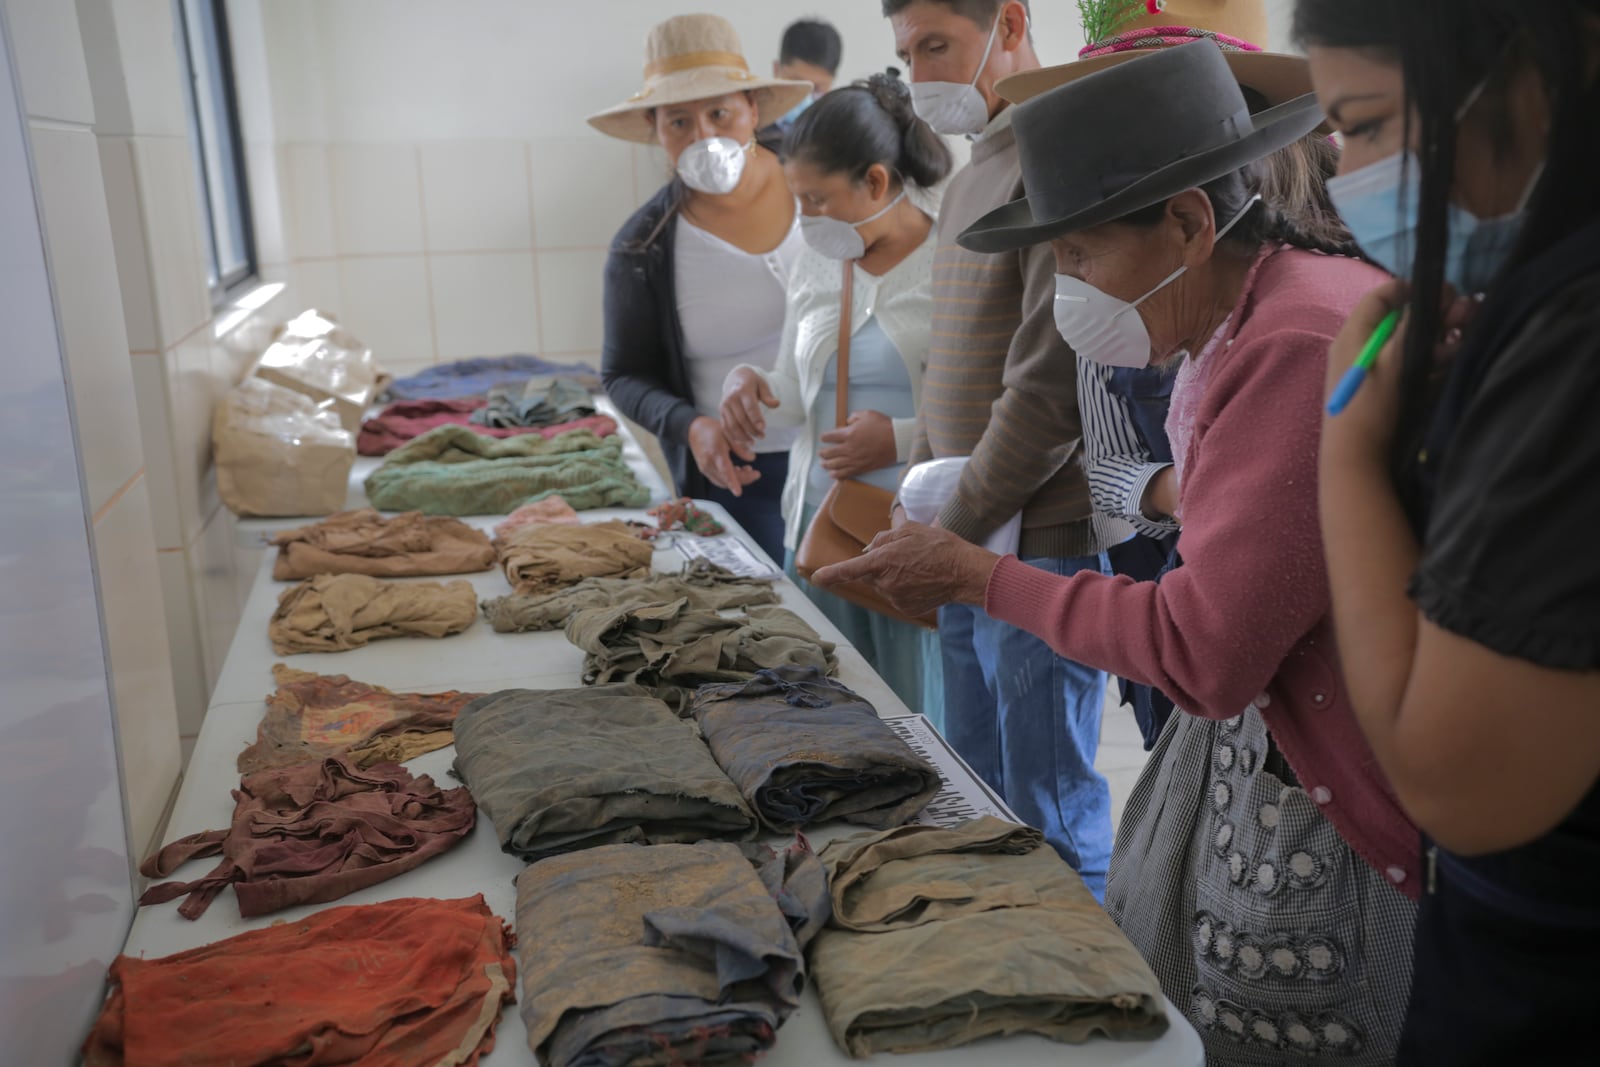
1358	370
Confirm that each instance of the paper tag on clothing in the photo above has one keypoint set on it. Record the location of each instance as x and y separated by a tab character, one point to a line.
964	795
727	552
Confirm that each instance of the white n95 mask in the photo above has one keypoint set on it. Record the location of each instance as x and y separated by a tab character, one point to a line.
1108	329
838	239
713	165
951	107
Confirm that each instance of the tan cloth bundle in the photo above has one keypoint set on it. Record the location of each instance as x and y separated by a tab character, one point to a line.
940	937
338	612
544	557
409	545
280	453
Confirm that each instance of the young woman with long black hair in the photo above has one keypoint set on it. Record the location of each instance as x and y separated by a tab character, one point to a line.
1457	493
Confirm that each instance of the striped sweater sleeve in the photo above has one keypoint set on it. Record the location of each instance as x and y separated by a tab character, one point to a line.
1114	458
1011	461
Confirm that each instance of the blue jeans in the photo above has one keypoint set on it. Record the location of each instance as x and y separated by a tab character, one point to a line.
1028	722
759	508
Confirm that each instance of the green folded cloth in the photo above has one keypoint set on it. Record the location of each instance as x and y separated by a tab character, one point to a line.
452	470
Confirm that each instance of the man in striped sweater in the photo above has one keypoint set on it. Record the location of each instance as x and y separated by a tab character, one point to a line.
1001	388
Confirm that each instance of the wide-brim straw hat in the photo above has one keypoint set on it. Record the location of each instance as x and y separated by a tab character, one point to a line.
1237	26
695	57
1134	134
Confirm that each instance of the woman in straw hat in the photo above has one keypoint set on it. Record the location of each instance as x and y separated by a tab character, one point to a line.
695	280
1263	865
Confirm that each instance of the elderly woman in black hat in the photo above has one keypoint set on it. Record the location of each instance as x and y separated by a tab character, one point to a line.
695	281
1263	865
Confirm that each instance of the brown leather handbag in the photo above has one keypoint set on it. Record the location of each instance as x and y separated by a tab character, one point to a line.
853	512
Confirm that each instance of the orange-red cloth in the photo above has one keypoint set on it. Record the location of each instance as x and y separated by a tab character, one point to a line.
395	984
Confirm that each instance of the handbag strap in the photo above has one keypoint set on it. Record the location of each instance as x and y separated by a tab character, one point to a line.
841	407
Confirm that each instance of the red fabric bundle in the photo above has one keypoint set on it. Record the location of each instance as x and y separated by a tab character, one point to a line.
405	419
395	984
315	832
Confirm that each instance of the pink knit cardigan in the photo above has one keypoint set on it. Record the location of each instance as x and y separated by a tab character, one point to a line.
1246	619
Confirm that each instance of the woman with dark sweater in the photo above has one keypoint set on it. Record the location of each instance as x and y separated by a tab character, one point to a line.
695	280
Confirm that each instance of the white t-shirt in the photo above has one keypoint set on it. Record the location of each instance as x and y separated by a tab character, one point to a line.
730	306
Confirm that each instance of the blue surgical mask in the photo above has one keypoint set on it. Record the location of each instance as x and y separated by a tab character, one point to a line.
796	111
1380	204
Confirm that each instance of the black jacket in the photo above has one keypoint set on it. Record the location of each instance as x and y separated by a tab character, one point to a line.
642	362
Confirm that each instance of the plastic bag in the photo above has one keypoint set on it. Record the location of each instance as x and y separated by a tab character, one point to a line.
926	489
279	452
312	354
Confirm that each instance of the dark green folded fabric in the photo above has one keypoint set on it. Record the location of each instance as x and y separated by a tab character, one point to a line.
536	402
706	587
672	649
557	770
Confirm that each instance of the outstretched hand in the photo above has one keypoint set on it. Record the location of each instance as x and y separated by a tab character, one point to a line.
917	568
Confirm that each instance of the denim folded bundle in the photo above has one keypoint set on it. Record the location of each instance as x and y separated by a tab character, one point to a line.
664	954
803	748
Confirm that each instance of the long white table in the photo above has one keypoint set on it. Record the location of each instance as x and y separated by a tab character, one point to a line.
480	660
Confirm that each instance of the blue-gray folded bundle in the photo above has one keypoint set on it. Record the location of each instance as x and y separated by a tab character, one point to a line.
803	748
451	470
557	770
942	936
475	377
663	954
535	402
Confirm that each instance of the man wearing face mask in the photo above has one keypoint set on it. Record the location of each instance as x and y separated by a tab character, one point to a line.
1000	389
695	280
810	51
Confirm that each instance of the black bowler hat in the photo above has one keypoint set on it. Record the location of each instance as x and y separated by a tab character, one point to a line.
1129	136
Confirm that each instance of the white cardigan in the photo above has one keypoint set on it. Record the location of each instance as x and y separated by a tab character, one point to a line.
902	301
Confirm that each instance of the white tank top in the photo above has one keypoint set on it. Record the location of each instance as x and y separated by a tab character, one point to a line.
730	307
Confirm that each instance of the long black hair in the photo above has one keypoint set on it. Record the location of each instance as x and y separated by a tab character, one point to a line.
850	129
1445	50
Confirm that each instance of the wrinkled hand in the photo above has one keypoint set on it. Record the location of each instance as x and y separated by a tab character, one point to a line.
918	568
1367	426
713	454
743	396
864	443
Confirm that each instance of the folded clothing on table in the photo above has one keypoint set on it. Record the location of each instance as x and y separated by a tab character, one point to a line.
312	833
542	401
562	769
363	542
662	954
382	985
940	937
313	716
404	420
803	748
454	471
338	612
550	510
545	557
671	648
475	377
703	584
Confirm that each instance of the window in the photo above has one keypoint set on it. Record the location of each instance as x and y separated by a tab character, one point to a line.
218	145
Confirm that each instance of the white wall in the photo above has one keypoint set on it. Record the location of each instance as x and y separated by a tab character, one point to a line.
438	186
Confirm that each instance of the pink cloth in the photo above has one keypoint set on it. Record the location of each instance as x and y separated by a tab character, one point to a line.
1247	618
406	419
552	510
1188	385
1153	37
